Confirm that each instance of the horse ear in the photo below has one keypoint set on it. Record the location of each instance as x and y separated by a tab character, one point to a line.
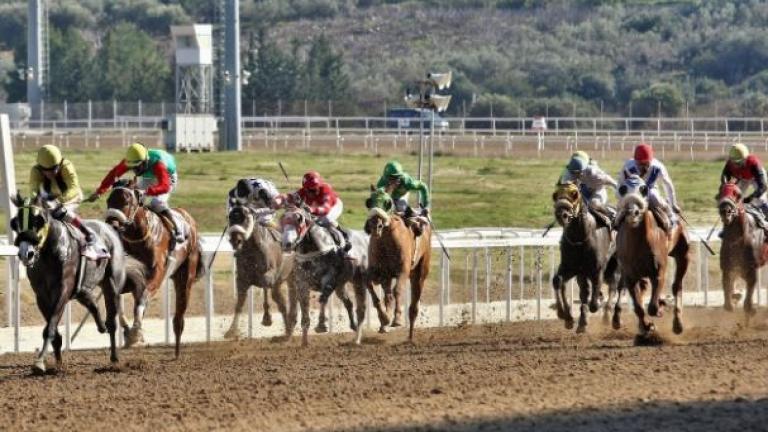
367	228
644	190
368	203
137	194
39	221
388	205
554	196
622	190
574	194
17	200
373	189
15	224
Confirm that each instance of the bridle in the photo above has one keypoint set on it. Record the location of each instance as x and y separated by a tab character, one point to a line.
134	204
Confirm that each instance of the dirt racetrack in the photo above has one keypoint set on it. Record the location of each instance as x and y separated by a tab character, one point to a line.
519	376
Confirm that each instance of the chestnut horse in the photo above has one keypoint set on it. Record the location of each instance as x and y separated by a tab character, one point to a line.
149	239
395	253
643	247
743	250
587	253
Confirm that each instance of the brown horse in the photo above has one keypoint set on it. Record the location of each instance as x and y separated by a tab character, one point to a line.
643	247
396	253
149	239
743	250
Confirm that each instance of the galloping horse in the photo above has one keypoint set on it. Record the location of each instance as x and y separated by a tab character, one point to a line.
320	267
395	252
586	252
744	249
643	246
260	262
149	239
58	272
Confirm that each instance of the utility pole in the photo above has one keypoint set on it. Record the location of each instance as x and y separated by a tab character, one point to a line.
232	78
36	72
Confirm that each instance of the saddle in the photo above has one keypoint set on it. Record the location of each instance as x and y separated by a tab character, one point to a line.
662	219
604	216
79	238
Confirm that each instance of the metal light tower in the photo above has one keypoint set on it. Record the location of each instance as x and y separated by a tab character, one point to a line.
36	73
428	99
232	77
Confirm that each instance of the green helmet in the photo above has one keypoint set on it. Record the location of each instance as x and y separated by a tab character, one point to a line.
393	169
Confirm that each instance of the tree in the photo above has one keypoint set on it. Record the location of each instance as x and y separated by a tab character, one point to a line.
274	74
72	71
131	67
325	77
664	96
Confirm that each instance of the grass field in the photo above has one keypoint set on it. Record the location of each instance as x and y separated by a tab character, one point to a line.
468	192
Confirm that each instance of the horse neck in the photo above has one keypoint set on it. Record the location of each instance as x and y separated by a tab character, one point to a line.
577	229
260	239
308	242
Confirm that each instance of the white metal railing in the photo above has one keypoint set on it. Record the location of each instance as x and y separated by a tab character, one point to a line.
522	254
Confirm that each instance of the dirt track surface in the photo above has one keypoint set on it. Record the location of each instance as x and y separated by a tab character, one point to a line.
521	376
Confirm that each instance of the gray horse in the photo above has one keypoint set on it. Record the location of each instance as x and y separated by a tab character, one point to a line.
321	267
260	262
51	253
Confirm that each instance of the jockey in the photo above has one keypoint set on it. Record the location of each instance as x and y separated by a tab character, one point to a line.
591	180
397	183
323	203
644	165
747	170
255	193
158	178
55	179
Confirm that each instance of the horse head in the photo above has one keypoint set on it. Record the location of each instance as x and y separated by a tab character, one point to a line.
241	223
633	200
122	204
729	203
295	223
567	203
31	225
379	206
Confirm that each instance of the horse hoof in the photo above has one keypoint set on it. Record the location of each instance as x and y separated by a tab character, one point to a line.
382	329
677	326
38	368
593	307
569	324
582	328
101	328
266	321
750	311
616	324
353	327
321	328
397	323
232	334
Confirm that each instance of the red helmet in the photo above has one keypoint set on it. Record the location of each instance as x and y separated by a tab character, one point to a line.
311	180
643	153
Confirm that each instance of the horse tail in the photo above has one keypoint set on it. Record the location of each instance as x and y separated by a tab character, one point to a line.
201	269
116	251
611	273
135	275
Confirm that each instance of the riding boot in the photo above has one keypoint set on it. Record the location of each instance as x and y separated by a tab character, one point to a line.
345	233
93	248
178	236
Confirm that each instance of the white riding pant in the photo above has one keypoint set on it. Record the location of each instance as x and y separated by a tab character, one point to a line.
401	204
333	215
158	203
655	200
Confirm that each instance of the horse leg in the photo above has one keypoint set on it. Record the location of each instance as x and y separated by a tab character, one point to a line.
321	326
182	282
398	295
728	281
56	343
279	299
360	306
266	318
584	303
561	301
616	322
303	292
234	328
52	319
293	300
597	286
383	316
681	267
751	280
417	285
112	303
136	334
341	293
655	306
389	298
85	298
636	293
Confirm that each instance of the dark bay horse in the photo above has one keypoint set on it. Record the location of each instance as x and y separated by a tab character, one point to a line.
149	239
321	267
260	262
743	250
58	272
643	248
586	252
395	253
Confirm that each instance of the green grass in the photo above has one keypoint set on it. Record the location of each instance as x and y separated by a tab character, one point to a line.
468	192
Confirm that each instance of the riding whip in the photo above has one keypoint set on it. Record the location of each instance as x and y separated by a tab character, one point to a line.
218	245
704	242
712	231
439	238
548	227
285	173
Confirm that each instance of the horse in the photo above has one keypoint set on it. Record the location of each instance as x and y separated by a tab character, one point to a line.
321	267
58	272
743	249
587	253
643	247
149	239
395	252
260	262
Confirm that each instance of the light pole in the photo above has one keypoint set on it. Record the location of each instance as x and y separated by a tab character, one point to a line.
428	99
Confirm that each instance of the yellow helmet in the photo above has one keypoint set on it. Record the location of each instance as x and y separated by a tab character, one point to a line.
581	154
49	156
135	155
738	153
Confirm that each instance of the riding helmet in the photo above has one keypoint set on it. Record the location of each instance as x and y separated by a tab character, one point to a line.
311	180
49	156
643	153
136	154
393	169
738	153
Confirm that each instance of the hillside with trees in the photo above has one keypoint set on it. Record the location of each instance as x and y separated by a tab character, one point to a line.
509	57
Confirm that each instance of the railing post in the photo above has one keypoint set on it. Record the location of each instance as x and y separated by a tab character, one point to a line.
442	290
208	300
167	310
68	326
474	286
509	284
250	312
